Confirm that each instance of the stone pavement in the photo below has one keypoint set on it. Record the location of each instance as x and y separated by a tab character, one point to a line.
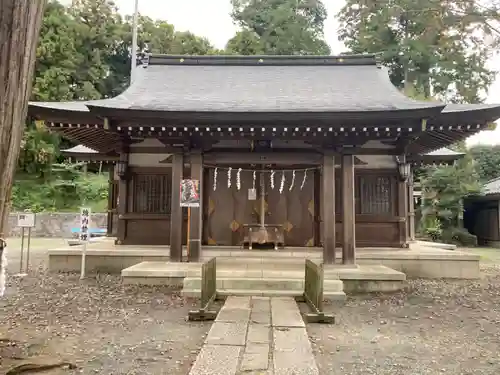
257	336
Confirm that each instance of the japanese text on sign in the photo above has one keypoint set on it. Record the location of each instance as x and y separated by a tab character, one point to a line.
84	223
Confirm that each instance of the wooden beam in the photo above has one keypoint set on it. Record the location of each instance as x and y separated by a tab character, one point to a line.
196	217
286	158
328	201
348	213
176	209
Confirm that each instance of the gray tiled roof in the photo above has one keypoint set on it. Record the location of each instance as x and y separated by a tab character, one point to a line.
444	152
492	187
286	86
80	149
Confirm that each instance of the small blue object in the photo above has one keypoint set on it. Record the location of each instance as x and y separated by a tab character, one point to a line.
91	230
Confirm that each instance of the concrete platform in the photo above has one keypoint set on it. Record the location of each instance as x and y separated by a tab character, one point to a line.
367	278
268	280
417	262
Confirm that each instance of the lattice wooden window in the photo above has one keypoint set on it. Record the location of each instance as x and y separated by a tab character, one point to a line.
375	195
151	194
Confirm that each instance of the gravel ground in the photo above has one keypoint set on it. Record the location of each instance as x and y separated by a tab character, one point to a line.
98	324
435	327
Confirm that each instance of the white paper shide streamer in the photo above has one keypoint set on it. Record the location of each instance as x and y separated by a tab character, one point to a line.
238	179
215	179
229	172
3	271
304	180
272	179
293	181
282	184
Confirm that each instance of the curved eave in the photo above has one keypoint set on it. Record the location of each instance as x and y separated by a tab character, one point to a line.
467	114
436	159
94	137
456	123
63	112
84	153
212	117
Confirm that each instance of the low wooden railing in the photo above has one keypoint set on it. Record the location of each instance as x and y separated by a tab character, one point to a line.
313	293
208	292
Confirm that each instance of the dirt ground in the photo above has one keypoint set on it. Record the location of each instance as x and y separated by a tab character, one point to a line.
99	325
435	327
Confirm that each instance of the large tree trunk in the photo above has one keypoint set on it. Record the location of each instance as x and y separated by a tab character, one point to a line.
20	22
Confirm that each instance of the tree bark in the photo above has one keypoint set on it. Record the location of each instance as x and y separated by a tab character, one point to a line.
20	22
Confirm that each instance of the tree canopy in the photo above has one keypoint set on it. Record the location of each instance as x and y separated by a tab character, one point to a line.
83	53
439	47
279	27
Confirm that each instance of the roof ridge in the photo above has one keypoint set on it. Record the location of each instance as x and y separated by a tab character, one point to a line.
279	60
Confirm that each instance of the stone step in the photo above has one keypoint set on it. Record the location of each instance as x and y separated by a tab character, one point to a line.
328	296
255	283
264	260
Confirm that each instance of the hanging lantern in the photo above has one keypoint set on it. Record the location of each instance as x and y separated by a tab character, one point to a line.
121	169
404	168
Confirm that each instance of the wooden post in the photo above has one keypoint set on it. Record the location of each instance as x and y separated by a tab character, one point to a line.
348	213
403	212
111	198
122	207
328	207
176	209
195	224
411	210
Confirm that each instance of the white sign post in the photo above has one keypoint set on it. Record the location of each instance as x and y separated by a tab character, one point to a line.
85	215
25	220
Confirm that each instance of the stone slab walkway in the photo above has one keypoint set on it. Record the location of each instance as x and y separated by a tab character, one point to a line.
257	336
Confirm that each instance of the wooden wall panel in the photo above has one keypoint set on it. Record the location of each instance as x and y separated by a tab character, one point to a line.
372	234
151	232
294	209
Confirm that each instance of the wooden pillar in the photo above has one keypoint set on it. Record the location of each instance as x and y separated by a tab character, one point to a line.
411	210
111	197
122	206
348	213
196	217
403	212
328	203
176	218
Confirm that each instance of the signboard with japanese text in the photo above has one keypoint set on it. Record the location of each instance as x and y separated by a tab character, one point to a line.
85	215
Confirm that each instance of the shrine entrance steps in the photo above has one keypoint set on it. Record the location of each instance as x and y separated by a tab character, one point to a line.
266	276
257	335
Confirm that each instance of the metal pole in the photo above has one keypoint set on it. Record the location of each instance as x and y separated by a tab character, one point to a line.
22	252
133	56
28	250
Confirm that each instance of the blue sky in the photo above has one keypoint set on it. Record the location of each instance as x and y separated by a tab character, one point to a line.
210	18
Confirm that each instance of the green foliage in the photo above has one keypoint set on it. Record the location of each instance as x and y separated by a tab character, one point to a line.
433	229
279	27
487	162
83	53
444	189
67	190
459	236
437	47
